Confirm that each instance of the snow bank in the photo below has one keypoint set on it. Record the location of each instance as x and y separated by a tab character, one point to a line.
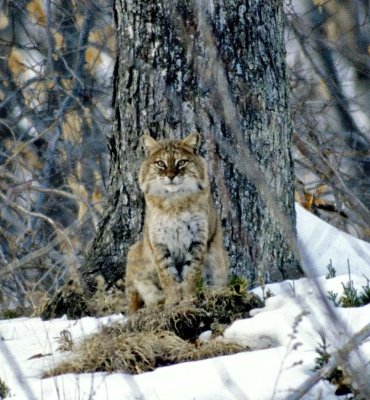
282	338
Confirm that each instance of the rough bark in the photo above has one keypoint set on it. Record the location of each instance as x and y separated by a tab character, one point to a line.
168	82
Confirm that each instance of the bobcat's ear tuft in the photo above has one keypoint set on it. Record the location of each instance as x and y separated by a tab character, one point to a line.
192	140
149	143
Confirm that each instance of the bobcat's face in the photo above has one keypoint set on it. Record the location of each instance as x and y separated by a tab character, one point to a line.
172	167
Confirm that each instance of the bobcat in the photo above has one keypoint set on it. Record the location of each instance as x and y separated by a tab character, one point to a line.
182	240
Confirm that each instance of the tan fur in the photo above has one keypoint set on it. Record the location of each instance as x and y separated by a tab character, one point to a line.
182	240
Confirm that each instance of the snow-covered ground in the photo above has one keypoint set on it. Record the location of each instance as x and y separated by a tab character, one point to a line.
283	337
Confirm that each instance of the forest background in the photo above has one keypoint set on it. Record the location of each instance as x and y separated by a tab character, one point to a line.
56	71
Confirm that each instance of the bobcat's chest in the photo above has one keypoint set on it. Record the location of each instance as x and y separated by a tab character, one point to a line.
178	233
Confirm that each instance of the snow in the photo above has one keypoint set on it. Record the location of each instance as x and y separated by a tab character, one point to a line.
319	242
282	338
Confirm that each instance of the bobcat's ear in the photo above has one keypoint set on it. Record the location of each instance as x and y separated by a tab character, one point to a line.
149	143
192	140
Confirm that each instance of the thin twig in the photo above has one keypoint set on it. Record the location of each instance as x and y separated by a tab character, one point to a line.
23	262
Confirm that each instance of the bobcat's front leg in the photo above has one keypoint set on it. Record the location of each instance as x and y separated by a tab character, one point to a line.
168	273
193	268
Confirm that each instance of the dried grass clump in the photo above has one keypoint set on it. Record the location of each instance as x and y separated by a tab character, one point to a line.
70	300
214	348
163	335
185	320
118	351
114	350
229	303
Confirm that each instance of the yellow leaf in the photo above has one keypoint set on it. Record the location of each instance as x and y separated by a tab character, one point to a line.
319	202
16	62
95	36
72	127
67	84
79	20
332	31
4	20
321	189
79	190
92	57
308	201
79	170
59	40
36	12
25	155
324	90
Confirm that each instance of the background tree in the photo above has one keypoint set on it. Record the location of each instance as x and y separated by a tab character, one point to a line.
56	59
217	68
328	53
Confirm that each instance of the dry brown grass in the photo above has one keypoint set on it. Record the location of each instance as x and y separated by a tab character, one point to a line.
162	335
210	310
114	349
185	320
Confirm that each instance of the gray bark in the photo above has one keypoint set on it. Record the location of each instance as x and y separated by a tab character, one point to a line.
171	78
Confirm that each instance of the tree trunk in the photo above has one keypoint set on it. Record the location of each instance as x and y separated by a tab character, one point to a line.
218	69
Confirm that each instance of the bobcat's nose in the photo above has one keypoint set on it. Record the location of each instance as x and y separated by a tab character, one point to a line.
171	175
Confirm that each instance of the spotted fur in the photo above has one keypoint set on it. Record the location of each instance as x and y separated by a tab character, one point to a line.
182	239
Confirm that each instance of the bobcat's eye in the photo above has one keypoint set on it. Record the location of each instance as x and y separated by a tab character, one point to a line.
181	163
161	164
